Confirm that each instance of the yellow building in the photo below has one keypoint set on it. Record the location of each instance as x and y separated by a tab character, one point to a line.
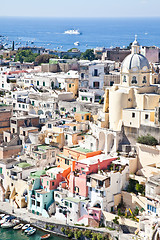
72	86
82	116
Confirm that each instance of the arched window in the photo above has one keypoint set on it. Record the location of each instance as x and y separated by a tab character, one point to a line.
124	79
144	79
134	81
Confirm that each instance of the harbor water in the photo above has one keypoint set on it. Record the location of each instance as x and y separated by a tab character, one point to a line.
10	234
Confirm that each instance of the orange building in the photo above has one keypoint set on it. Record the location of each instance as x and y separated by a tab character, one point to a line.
72	154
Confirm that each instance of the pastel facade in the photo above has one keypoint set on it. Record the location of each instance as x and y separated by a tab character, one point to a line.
78	178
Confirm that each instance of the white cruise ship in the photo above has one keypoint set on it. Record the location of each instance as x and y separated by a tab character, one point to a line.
72	32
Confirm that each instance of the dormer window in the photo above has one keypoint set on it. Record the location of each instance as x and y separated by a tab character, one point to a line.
124	79
144	80
134	80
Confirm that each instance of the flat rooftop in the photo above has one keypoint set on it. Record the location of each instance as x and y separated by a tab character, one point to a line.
24	117
99	177
80	149
95	159
155	179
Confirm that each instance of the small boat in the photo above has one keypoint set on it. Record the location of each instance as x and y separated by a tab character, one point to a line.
10	223
46	236
2	215
28	229
25	226
31	232
76	43
4	219
18	226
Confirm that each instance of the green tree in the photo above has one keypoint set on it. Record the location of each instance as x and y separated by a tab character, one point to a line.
148	140
77	234
132	185
70	50
88	233
88	55
44	58
25	56
140	188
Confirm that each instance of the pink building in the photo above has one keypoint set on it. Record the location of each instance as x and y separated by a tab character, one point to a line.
92	218
78	178
52	178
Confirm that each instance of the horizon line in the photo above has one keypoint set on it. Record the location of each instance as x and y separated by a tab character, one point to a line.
106	17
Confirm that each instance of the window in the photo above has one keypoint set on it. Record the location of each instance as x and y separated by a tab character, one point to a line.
95	72
66	203
70	205
47	183
134	80
42	180
69	85
52	183
43	84
90	189
23	106
67	161
59	85
133	115
144	79
146	116
87	117
33	202
66	137
49	125
82	98
38	204
96	84
76	189
2	85
82	117
14	105
124	79
0	170
37	83
58	160
38	195
74	128
82	75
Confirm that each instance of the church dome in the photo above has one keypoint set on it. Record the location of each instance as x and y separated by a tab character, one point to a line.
135	60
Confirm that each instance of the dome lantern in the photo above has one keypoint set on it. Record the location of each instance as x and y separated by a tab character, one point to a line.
135	46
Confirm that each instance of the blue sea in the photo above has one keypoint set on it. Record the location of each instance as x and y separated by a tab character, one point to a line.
103	32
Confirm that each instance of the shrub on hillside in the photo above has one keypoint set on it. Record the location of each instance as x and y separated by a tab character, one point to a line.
148	140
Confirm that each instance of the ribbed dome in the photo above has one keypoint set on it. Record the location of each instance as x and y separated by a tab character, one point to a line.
135	61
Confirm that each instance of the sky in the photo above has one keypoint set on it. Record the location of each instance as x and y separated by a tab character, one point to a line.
81	8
